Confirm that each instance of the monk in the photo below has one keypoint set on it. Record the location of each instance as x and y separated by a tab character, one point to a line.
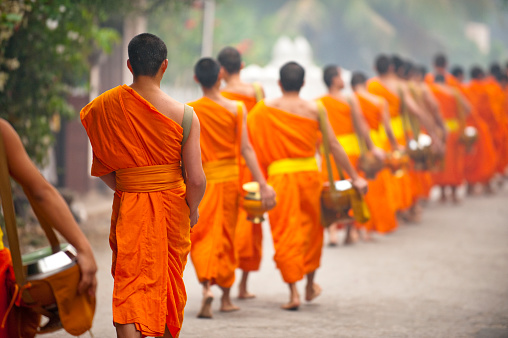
284	133
388	85
136	139
452	173
223	140
375	110
47	203
249	236
481	159
344	114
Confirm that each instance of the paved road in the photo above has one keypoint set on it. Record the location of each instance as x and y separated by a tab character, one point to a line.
445	277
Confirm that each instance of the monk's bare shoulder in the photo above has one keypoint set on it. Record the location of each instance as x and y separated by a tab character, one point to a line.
242	88
168	106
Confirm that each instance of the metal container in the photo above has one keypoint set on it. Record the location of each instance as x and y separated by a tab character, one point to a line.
43	263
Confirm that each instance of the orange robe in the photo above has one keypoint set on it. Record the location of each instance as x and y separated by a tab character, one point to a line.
402	197
382	214
248	236
481	161
498	101
452	173
212	251
295	221
149	230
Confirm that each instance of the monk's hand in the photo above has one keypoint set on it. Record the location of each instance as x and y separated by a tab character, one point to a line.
88	269
438	146
267	196
194	217
360	184
378	153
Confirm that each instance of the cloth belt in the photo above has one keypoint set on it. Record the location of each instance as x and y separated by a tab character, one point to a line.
221	171
149	178
452	125
397	127
375	136
293	165
350	143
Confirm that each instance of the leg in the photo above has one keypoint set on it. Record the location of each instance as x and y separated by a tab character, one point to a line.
443	194
332	234
455	199
351	234
167	334
206	305
470	189
226	304
243	293
294	298
312	290
127	331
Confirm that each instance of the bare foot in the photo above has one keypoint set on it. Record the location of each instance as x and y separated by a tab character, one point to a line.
243	294
206	306
292	305
351	235
229	307
312	292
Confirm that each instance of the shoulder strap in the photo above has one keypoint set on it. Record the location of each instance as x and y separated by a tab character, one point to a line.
187	122
356	126
326	144
258	90
10	216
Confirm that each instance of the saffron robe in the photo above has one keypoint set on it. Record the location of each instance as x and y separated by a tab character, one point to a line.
402	197
452	173
149	230
481	161
382	214
248	235
498	101
212	250
295	221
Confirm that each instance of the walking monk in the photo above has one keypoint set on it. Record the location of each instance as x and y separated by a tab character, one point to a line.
284	133
224	139
136	137
350	129
451	105
375	109
249	236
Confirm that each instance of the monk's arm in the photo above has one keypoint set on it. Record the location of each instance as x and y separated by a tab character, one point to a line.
195	180
360	121
433	105
464	102
415	110
385	119
49	205
267	193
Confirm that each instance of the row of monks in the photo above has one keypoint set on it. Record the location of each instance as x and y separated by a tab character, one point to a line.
380	117
238	136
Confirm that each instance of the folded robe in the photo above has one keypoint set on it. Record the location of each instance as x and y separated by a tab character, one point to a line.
295	221
212	250
149	230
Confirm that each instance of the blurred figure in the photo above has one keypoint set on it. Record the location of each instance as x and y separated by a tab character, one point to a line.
452	173
248	236
352	132
137	147
375	110
224	139
47	204
284	133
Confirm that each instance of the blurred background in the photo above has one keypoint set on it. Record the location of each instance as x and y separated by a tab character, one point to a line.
56	56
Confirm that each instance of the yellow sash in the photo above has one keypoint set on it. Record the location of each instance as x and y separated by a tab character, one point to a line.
397	127
350	143
452	125
375	136
1	240
292	165
149	178
221	171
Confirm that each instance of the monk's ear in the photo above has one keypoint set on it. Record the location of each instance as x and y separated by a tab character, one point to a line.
129	66
196	79
164	66
221	74
242	65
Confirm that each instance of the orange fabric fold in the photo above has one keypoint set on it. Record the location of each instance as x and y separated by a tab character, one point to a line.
149	230
295	221
212	251
498	101
249	101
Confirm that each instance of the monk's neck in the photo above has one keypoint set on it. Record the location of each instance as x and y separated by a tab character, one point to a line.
361	90
212	93
145	83
291	95
232	79
335	92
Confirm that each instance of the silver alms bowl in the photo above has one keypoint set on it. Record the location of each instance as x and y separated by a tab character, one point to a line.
44	263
